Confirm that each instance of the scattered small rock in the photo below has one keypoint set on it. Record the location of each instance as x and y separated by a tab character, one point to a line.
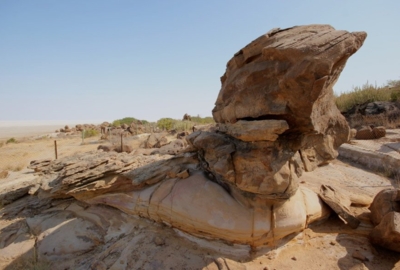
159	241
332	243
294	258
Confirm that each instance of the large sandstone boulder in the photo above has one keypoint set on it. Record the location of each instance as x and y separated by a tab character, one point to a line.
155	140
173	148
386	201
385	214
387	233
276	100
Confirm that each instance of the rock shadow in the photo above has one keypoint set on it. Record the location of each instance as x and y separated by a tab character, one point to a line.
359	253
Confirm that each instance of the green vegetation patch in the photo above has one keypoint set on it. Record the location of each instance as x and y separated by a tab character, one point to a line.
90	133
368	93
11	140
183	125
128	121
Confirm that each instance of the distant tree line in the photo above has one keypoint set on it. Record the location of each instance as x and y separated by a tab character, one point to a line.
168	123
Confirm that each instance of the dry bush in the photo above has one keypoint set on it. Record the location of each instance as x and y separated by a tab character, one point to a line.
366	93
90	133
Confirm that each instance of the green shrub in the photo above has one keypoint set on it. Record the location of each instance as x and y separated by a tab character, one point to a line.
183	125
128	121
90	133
363	94
166	123
11	140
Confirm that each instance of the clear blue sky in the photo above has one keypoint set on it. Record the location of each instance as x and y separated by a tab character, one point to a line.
103	60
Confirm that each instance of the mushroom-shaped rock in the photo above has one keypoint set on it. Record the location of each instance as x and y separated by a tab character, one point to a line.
276	100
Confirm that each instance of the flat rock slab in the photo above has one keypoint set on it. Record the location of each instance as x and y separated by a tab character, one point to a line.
339	203
380	155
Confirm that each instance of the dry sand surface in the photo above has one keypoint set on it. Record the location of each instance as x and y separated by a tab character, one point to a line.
35	140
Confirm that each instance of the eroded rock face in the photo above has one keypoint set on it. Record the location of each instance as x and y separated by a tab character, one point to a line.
276	100
385	214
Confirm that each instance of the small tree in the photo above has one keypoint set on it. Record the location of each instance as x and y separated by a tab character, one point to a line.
165	123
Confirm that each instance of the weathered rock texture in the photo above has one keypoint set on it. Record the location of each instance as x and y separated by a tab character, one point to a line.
385	214
276	110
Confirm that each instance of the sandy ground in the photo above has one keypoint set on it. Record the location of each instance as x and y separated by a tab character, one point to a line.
16	156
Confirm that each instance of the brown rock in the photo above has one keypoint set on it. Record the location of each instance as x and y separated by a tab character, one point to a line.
259	107
273	71
379	132
125	148
365	133
79	127
387	233
106	148
173	148
156	140
386	201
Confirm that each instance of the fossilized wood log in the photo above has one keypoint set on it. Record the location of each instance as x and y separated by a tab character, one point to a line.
339	203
